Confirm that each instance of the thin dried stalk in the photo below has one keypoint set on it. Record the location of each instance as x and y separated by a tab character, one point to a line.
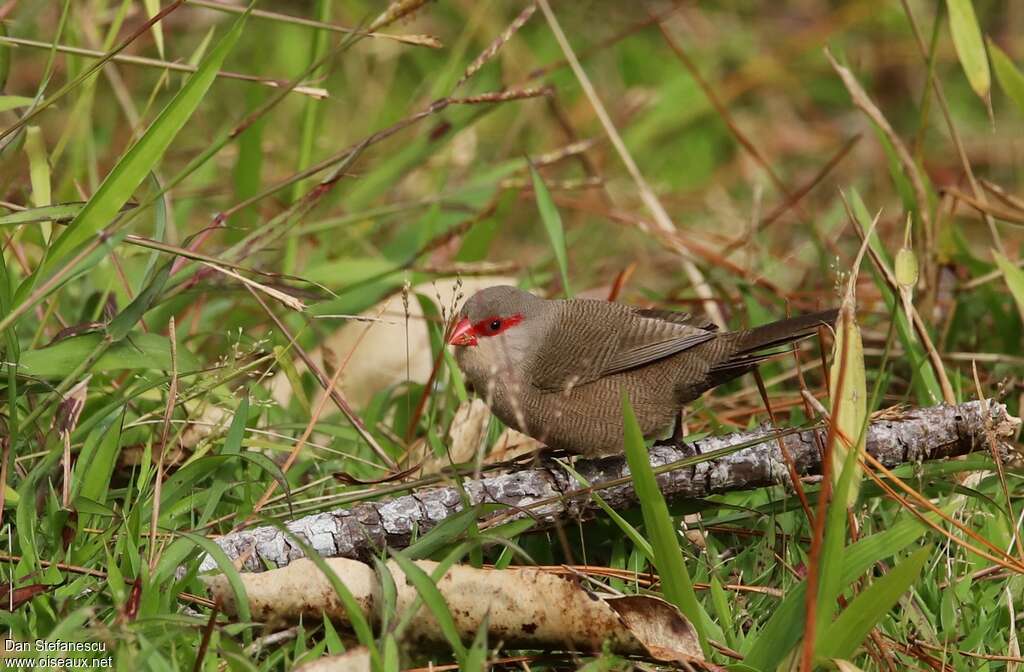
494	47
172	396
650	199
414	40
128	59
861	99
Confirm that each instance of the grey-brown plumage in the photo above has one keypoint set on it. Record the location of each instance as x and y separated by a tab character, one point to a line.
555	369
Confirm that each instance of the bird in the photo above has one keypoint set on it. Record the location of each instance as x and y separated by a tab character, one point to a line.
555	369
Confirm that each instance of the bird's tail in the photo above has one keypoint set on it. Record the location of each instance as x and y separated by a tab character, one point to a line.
751	344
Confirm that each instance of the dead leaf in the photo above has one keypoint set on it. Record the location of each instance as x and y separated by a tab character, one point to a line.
10	601
521	607
659	626
353	660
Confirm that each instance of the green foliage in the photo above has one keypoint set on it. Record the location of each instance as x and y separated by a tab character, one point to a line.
668	557
137	351
969	45
1014	280
553	225
1009	76
341	200
851	628
129	172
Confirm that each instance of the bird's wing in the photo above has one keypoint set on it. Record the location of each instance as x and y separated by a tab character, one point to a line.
596	338
654	334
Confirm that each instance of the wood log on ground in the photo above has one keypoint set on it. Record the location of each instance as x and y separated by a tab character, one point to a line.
551	493
522	607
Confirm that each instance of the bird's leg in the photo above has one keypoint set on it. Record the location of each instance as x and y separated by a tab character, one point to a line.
676	440
547	458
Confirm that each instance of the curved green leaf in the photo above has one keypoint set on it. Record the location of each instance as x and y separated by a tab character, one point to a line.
553	225
969	46
668	557
143	156
1009	77
856	621
1014	277
137	351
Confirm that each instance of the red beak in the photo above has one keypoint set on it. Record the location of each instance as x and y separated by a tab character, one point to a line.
463	333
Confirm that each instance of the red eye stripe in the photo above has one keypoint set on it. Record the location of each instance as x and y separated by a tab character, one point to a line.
492	326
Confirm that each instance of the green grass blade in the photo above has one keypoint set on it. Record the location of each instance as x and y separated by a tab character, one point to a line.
856	621
388	606
126	320
198	470
924	379
38	166
783	630
137	351
448	531
97	460
848	391
631	532
62	212
668	556
830	565
227	567
8	103
356	617
432	597
143	156
553	225
1014	279
232	446
720	603
152	8
1010	79
970	48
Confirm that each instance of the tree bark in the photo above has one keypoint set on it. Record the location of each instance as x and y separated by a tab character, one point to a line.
552	494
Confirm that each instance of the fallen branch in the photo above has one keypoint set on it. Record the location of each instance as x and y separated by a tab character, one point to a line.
552	494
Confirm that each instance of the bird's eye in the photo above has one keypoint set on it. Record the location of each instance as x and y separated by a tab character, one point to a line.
495	325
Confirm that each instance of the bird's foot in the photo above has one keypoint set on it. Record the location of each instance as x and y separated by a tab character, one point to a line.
688	449
547	458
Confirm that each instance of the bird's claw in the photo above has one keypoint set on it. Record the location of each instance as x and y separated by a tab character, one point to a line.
688	449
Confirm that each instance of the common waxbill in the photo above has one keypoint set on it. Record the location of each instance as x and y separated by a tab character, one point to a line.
555	369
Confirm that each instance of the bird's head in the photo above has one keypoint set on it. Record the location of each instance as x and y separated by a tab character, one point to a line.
497	330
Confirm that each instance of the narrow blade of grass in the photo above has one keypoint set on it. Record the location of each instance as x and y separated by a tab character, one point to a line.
137	351
848	390
143	156
631	532
356	617
225	565
970	48
432	597
924	380
1010	79
8	103
553	225
668	556
868	608
232	446
1014	279
38	166
63	212
782	631
97	460
830	566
